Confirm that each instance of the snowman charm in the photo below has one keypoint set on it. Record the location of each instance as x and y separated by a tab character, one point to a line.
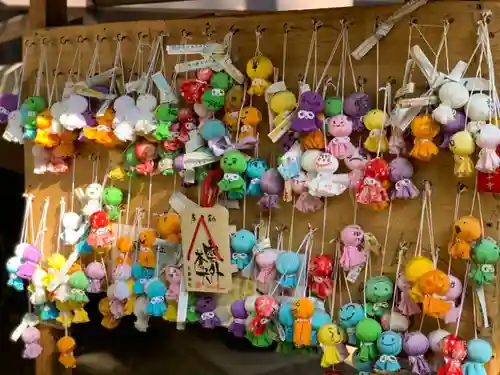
326	183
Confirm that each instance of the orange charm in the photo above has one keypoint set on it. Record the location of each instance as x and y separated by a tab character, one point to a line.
302	310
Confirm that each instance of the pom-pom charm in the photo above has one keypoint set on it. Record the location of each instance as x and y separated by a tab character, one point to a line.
466	230
454	350
375	121
353	254
266	308
378	291
302	310
100	235
488	139
306	120
340	127
66	345
400	174
30	257
287	264
32	347
238	324
479	352
259	69
368	331
462	146
242	244
389	345
205	306
415	345
485	256
320	273
349	316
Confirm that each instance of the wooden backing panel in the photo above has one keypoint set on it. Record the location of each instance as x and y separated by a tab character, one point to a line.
393	54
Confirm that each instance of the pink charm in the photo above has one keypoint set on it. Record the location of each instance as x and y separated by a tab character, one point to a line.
266	261
173	276
30	258
32	348
266	308
353	255
307	203
406	305
100	234
116	308
397	144
95	272
356	163
371	191
340	127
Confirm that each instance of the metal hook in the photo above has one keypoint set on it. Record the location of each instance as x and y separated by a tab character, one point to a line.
260	30
63	40
209	30
100	38
120	37
233	29
81	39
316	24
29	43
287	28
186	34
56	73
140	35
44	40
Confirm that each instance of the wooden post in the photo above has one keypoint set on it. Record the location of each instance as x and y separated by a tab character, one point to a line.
47	13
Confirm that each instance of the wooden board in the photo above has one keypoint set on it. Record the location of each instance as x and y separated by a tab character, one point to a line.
340	211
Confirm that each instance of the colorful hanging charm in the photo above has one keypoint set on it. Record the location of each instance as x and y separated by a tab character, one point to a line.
303	310
389	345
466	230
415	345
462	145
424	129
367	332
330	337
320	276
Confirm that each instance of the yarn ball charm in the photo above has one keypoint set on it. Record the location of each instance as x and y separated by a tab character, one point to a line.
416	267
375	121
320	319
362	366
79	284
272	185
488	139
239	313
302	310
466	230
259	69
350	315
389	345
286	319
255	170
478	353
462	145
155	291
356	105
430	289
367	332
142	275
340	127
287	264
329	337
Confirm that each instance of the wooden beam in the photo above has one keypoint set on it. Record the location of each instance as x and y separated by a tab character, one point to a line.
47	13
13	28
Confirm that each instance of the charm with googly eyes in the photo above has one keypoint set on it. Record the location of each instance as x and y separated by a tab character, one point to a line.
213	99
306	120
340	127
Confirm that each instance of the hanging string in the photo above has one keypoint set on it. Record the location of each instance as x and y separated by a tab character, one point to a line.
285	45
73	187
56	74
330	59
27	218
19	86
394	294
460	190
42	227
418	245
150	194
292	225
335	277
387	226
39	73
309	55
377	75
364	285
129	194
430	228
462	302
474	314
62	209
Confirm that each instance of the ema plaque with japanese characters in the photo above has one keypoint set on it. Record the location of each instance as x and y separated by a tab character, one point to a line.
205	247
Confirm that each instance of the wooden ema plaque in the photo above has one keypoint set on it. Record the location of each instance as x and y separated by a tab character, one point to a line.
205	248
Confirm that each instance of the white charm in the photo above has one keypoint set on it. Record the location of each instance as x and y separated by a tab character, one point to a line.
327	183
93	194
72	228
14	130
488	139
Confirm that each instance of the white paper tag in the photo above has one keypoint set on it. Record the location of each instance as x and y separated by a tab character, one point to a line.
103	77
182	305
281	129
190	66
167	94
192	49
417	102
18	331
273	89
179	202
189	176
482	303
353	274
105	105
199	158
225	62
61	275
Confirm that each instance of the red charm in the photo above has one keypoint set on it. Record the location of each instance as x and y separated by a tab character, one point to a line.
489	182
454	350
377	168
320	276
265	308
192	90
99	219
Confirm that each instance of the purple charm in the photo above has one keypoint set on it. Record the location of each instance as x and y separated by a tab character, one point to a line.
179	163
238	325
306	120
272	184
453	127
205	305
30	257
8	104
416	344
89	118
288	140
356	106
400	173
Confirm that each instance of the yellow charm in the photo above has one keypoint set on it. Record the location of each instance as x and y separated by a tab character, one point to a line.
65	318
128	309
171	314
117	173
80	316
56	261
416	267
283	101
424	128
375	121
46	139
259	69
462	145
329	336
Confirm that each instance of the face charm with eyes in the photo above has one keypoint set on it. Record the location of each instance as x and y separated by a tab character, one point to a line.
349	316
306	120
353	254
485	255
213	99
326	183
242	243
329	336
255	170
378	292
340	127
389	345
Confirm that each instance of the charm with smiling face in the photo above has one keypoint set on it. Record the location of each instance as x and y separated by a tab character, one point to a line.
389	345
378	291
329	336
349	316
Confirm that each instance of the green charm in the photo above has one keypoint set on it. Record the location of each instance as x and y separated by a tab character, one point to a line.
213	99
113	212
78	280
232	182
192	316
368	331
166	113
112	196
233	162
162	132
130	157
221	80
333	106
485	254
35	103
379	289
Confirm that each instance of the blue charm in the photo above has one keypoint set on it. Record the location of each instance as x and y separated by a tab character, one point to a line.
142	276
254	171
361	366
14	281
350	315
389	345
242	244
478	353
235	195
83	247
287	264
156	293
319	319
47	311
286	319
